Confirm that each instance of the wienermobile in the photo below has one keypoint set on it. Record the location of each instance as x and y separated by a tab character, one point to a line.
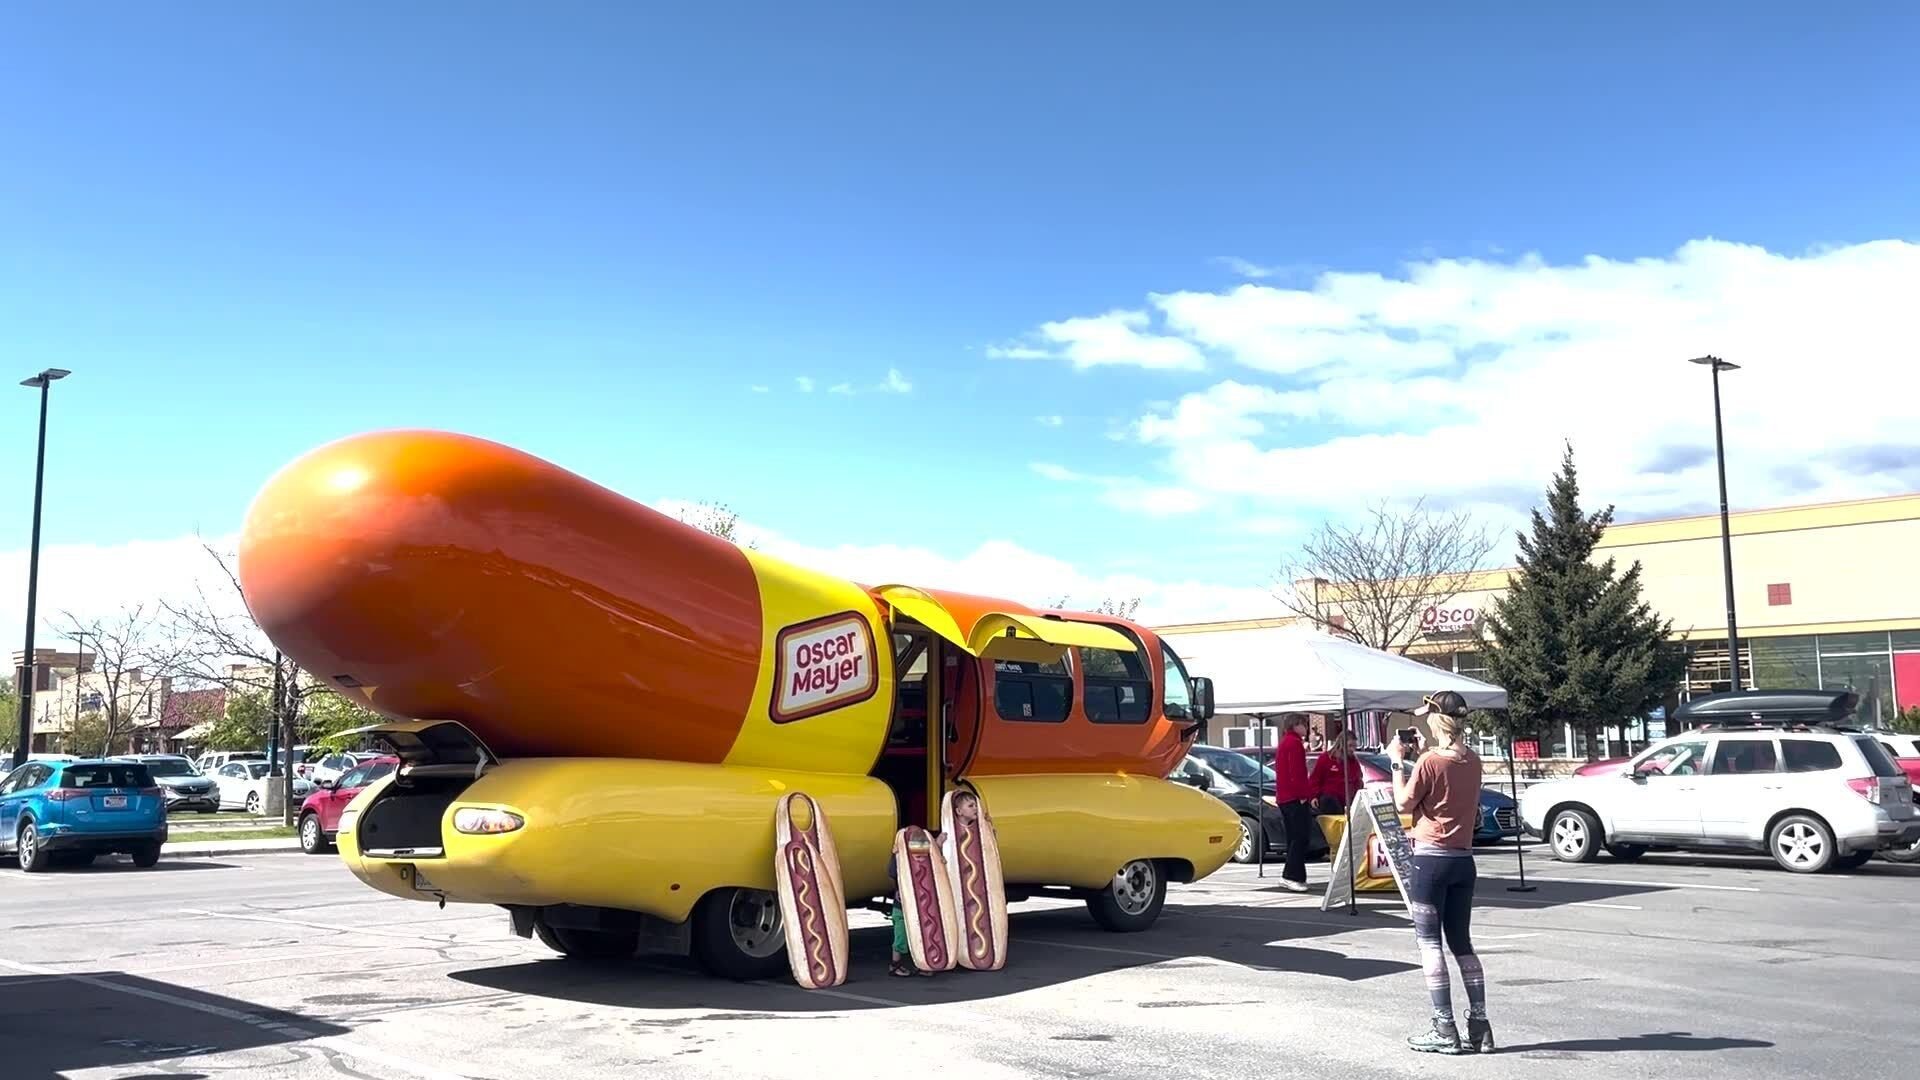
597	708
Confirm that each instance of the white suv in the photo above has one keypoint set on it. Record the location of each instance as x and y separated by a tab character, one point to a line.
1813	797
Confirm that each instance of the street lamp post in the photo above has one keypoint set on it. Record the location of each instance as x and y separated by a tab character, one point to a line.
1718	365
42	382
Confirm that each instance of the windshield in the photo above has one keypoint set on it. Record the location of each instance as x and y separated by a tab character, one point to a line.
1238	768
170	766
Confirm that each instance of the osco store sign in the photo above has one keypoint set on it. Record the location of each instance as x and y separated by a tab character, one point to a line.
1442	621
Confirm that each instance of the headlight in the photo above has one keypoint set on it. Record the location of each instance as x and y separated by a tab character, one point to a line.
472	819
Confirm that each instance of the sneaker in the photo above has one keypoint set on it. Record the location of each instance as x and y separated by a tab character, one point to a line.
1441	1038
1293	886
1479	1036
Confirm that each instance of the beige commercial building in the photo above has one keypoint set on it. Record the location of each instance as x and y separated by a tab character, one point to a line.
1826	597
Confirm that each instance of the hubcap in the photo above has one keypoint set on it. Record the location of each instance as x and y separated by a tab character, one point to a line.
1569	835
29	839
1245	850
253	803
1133	887
310	832
754	919
1800	845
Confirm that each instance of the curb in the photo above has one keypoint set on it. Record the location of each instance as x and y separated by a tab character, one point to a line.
230	847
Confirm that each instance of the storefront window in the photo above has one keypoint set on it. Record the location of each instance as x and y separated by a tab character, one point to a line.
1870	676
1784	663
1852	644
1906	641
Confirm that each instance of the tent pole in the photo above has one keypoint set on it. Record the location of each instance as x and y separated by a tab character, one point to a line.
1260	790
1346	835
1519	838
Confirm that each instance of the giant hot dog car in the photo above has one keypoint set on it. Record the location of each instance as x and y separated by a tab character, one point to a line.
597	707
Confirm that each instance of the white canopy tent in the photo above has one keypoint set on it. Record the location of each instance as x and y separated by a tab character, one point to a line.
1276	669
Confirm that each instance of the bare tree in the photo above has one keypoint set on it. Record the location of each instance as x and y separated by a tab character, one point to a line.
217	643
1373	581
1118	608
131	671
717	519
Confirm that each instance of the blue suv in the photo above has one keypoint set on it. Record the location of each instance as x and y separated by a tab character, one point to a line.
66	813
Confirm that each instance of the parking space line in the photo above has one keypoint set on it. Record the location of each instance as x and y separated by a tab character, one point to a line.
346	1047
365	931
1634	884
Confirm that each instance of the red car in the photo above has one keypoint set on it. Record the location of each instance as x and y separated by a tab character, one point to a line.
320	813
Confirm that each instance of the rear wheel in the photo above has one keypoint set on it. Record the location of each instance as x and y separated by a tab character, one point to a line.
592	946
1247	852
1132	901
33	856
1908	854
1574	835
313	839
1801	843
1626	852
147	854
739	934
1852	860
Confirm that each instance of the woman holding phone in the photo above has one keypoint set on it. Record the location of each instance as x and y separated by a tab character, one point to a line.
1442	794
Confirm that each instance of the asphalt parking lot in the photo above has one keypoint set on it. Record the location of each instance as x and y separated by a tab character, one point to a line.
282	966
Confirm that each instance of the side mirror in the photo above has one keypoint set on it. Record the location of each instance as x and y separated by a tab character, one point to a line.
1202	698
1193	779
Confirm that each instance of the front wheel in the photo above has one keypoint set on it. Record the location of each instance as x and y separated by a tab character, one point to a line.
313	839
1247	851
1574	835
739	934
1801	843
592	946
253	802
1132	901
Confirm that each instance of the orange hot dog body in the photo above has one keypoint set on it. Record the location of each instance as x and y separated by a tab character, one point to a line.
434	575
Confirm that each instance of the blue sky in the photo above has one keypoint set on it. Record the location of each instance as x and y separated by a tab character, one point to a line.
591	231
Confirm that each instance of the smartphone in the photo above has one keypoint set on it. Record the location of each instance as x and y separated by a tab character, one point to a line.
1410	738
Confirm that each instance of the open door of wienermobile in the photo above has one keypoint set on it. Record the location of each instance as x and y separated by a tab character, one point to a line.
598	707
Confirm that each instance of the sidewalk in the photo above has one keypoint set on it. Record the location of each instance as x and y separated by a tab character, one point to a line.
197	848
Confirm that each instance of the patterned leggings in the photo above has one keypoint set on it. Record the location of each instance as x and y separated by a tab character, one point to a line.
1442	903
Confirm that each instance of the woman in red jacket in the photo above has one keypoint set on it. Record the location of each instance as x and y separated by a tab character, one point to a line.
1336	776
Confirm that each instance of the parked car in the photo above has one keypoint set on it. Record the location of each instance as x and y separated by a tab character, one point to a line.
1813	795
1906	754
55	813
243	785
1499	814
214	760
335	765
1229	777
184	787
320	813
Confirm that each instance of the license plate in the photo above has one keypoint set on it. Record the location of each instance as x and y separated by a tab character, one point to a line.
115	802
421	882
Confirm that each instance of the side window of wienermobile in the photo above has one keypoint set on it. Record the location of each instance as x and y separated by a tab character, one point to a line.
1119	686
1033	692
1178	694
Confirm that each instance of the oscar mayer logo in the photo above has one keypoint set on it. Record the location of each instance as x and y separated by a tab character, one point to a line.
823	664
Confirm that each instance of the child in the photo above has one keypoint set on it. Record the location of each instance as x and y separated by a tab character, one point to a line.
900	963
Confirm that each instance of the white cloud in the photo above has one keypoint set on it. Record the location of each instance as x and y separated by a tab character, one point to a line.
97	581
1050	421
896	383
1116	339
804	383
1246	268
1006	569
1461	378
1059	473
760	389
841	388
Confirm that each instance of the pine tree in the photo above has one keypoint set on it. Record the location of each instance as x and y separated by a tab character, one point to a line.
1571	641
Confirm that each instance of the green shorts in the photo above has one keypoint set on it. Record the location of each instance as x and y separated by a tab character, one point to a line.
900	946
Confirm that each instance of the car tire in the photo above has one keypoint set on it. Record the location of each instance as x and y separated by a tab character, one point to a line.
739	934
1627	852
33	855
313	839
1852	860
1132	901
253	802
1801	843
1574	835
589	946
147	855
1908	854
1247	852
